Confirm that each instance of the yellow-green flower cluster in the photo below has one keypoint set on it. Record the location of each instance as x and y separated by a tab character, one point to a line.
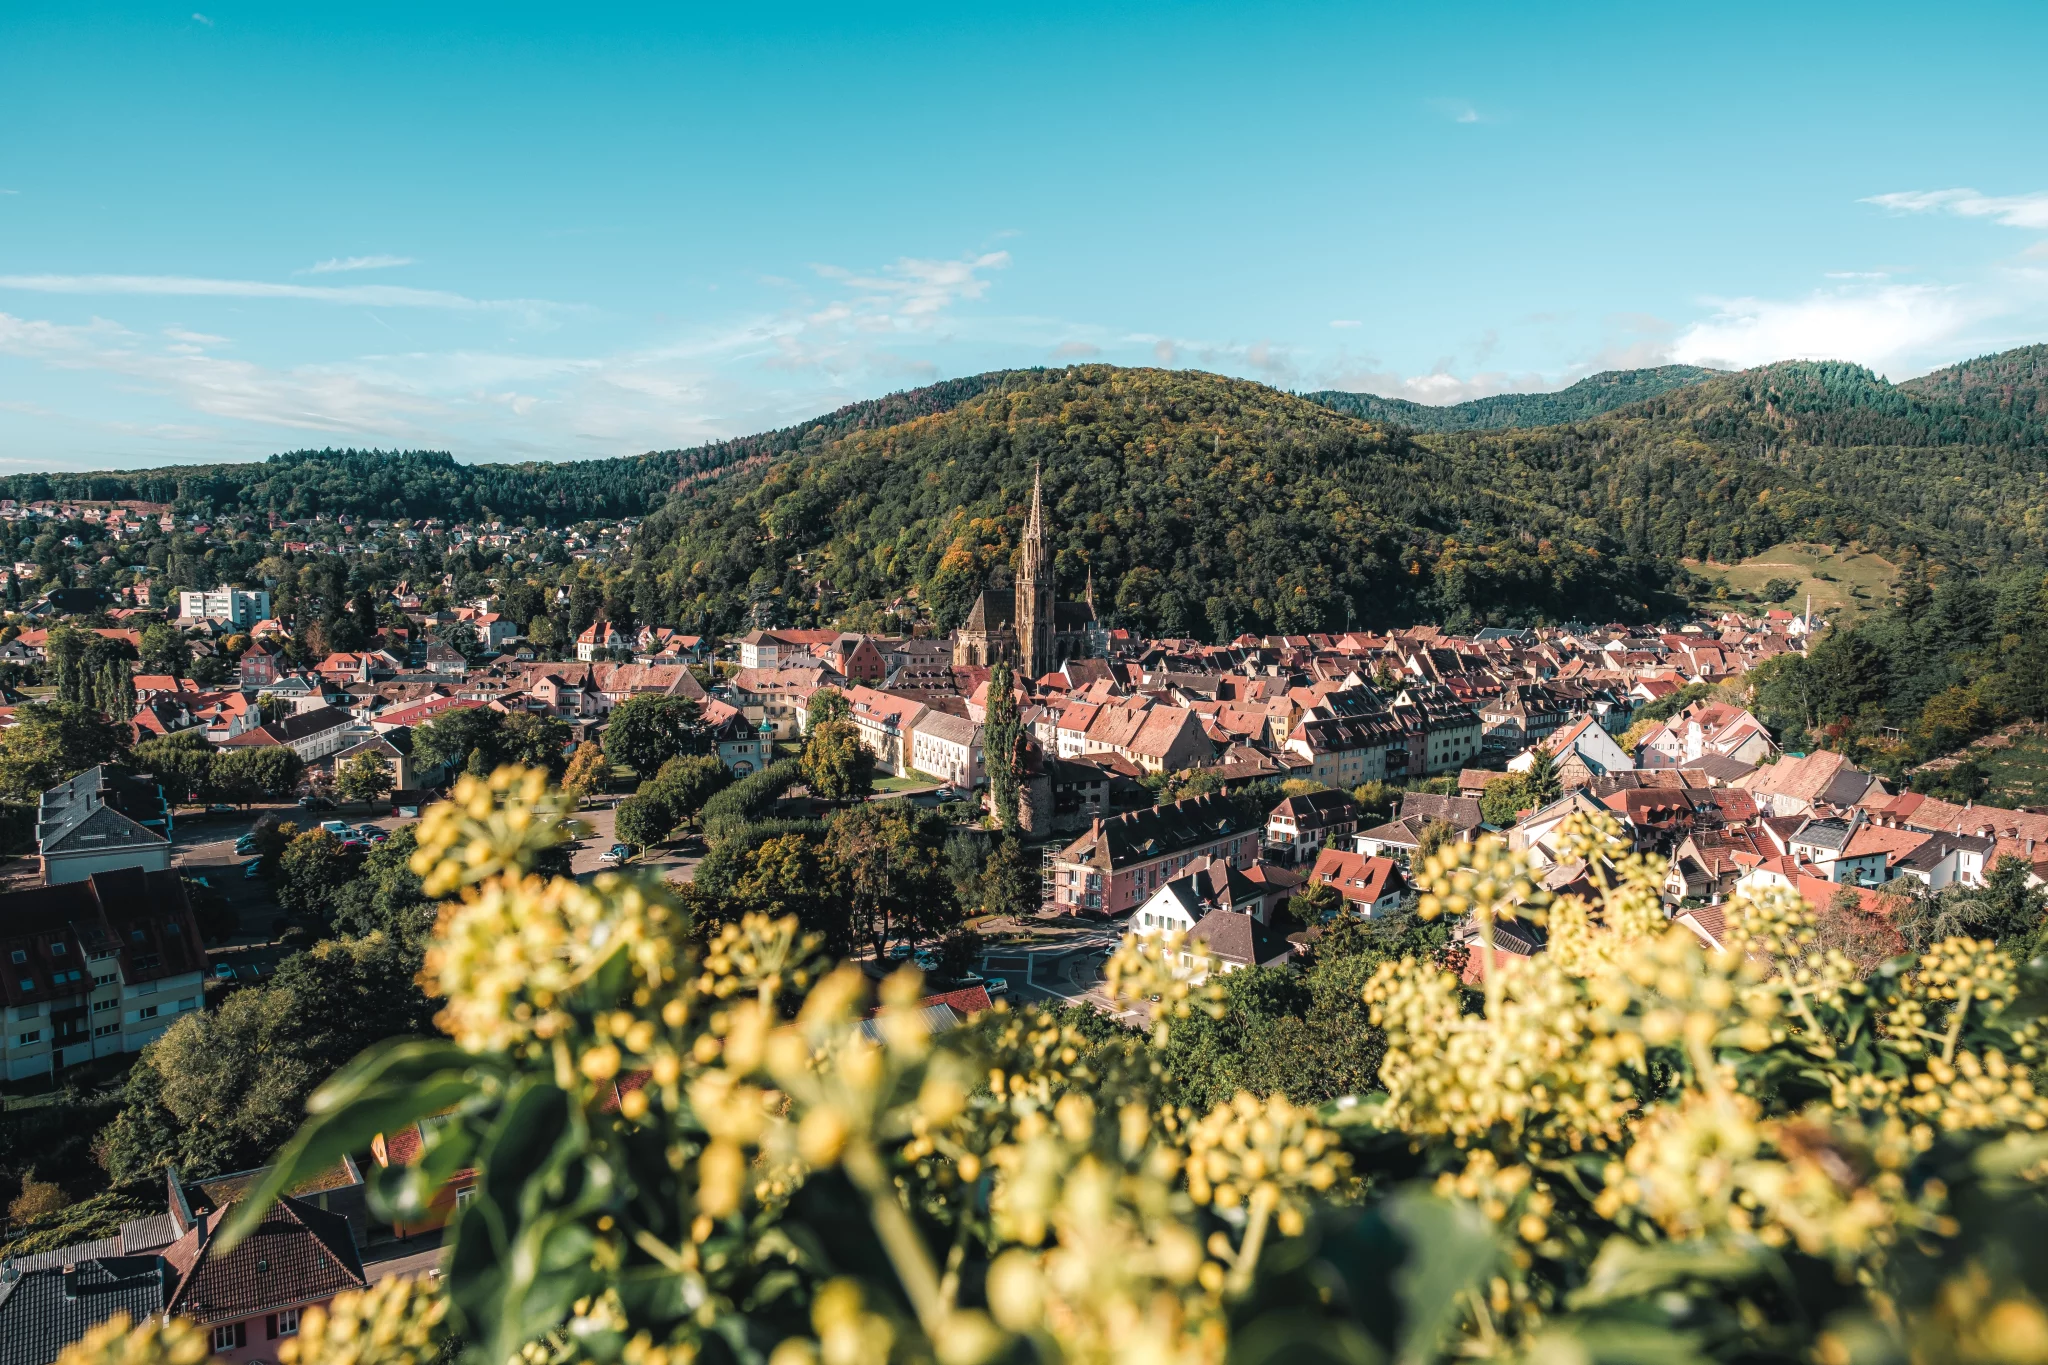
394	1322
154	1341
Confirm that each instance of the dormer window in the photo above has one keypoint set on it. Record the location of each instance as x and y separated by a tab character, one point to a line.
58	949
18	956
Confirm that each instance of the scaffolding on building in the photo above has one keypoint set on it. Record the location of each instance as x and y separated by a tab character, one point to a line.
1047	902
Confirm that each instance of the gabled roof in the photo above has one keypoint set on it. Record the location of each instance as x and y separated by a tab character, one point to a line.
44	1311
298	1254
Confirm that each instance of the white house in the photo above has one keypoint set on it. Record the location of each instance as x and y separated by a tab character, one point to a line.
947	747
236	606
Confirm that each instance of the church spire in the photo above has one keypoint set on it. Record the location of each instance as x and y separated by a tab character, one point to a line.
1036	627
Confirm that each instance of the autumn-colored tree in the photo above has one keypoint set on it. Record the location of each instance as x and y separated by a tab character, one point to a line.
588	770
836	765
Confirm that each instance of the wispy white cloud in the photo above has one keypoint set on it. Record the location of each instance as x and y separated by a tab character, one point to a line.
1076	350
311	398
1459	110
340	263
202	19
188	286
2011	210
914	289
1889	328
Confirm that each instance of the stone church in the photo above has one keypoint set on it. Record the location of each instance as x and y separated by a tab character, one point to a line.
1025	625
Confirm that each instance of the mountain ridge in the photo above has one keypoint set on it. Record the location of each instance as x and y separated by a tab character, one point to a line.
1589	397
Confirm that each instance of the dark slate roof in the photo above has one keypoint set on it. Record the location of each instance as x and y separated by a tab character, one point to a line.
142	915
1142	835
1317	809
1238	939
1460	812
100	808
996	609
44	1311
1829	834
296	1255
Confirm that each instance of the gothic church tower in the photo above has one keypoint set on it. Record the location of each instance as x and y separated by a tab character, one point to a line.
1036	628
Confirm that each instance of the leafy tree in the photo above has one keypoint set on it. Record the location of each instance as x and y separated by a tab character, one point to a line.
885	864
223	1088
165	650
1544	784
826	703
588	770
536	741
93	670
181	763
251	773
643	821
366	777
450	738
1502	800
311	872
1434	836
686	782
1009	881
646	731
1002	740
836	764
385	895
51	742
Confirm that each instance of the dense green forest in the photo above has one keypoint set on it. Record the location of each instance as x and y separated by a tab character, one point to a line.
1207	505
1591	396
1202	505
422	483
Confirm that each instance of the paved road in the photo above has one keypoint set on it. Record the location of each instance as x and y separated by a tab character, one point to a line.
586	861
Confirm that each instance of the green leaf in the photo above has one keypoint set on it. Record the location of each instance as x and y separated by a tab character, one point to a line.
1451	1249
383	1090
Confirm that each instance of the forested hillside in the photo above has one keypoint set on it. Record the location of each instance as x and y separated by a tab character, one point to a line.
1212	505
421	483
2009	382
1591	396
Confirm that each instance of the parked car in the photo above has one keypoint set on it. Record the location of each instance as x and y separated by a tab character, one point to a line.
355	846
222	808
223	972
997	986
253	868
245	845
315	803
340	829
371	834
617	853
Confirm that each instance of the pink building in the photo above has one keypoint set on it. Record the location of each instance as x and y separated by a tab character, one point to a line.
1119	862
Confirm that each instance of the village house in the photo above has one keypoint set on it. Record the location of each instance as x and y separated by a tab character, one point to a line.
95	967
886	723
1121	860
1301	825
102	819
948	748
1370	884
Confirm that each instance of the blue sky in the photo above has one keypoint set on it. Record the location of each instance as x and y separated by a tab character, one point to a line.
567	231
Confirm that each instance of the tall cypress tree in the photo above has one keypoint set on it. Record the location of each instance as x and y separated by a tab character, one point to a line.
1002	736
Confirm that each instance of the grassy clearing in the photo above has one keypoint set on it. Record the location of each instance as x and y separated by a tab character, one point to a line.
915	782
1845	583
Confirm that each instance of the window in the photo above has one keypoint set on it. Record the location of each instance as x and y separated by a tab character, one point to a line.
102	1006
107	980
18	956
135	935
283	1323
28	983
58	949
146	1012
230	1335
34	1035
104	1029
